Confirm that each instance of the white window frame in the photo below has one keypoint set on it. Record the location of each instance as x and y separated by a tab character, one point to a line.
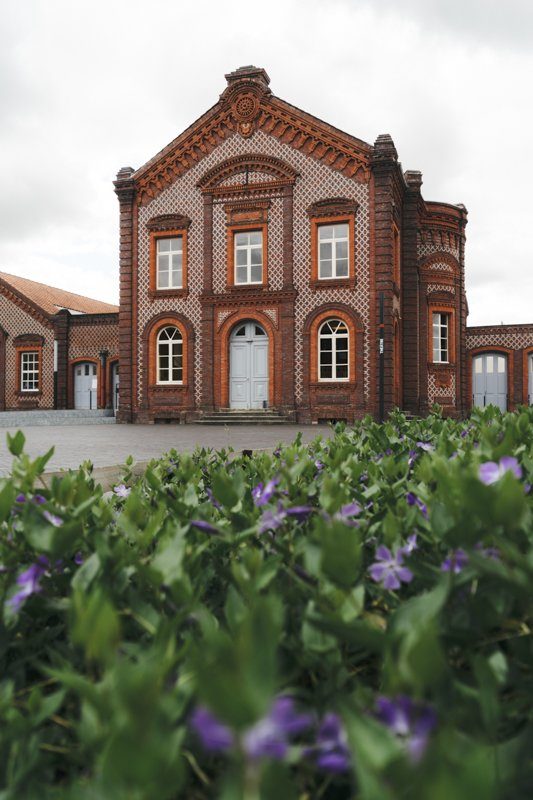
247	248
175	350
30	369
334	337
170	253
334	240
440	323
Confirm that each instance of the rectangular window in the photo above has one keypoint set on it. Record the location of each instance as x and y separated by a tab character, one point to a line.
441	338
29	371
170	263
333	251
248	257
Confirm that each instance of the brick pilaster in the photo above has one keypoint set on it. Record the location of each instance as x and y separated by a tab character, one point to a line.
411	354
61	334
125	190
384	165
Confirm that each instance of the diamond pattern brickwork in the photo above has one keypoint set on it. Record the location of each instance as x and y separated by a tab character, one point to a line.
500	336
317	181
436	393
16	322
88	340
440	287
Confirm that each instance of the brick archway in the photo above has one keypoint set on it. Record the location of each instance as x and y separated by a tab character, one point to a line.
497	350
222	363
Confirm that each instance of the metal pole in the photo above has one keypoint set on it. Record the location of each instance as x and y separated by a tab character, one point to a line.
381	360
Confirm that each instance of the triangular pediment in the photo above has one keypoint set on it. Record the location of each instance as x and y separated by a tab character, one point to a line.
247	105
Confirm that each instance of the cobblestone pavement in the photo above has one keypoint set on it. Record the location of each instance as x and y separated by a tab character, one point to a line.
109	445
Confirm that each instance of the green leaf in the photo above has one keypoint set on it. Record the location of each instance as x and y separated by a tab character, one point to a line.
15	443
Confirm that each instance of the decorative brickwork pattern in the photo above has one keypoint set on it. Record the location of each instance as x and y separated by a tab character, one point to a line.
317	181
441	267
440	287
273	314
437	393
514	337
89	340
18	322
433	241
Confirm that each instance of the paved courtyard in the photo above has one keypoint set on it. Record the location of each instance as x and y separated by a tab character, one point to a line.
110	445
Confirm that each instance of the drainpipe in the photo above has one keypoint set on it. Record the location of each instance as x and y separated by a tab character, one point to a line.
103	373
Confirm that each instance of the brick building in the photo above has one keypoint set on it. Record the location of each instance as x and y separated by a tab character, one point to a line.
268	259
57	349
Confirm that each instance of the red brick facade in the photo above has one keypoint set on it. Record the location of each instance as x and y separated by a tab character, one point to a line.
516	343
40	328
256	163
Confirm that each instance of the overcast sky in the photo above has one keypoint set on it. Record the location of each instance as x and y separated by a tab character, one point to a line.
89	86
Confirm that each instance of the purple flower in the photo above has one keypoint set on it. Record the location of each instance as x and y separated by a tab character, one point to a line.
272	520
455	562
53	519
39	499
411	722
78	558
20	498
464	434
527	488
263	494
202	525
363	478
319	465
331	752
121	490
212	499
413	500
270	736
410	546
490	471
487	552
213	734
347	513
389	570
29	581
425	446
413	455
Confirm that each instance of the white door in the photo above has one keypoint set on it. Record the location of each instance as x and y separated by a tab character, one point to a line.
530	384
114	386
489	380
85	385
248	366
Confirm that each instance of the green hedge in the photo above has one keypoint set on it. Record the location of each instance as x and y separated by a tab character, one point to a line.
346	619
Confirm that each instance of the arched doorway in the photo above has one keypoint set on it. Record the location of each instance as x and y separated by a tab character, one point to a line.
85	385
248	366
489	380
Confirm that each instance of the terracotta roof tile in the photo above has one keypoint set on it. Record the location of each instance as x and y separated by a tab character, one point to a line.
51	300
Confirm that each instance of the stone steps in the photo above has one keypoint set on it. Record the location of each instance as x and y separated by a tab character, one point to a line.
23	419
228	416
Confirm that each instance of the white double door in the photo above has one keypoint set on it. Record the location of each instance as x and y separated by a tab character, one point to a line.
248	360
85	385
489	380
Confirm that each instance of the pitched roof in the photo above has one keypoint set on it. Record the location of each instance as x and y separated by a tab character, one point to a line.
52	300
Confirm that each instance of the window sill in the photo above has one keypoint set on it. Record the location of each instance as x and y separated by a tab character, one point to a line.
167	387
333	283
441	364
246	287
155	293
31	393
333	384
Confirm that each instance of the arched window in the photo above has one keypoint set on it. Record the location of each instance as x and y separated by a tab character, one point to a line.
169	355
333	351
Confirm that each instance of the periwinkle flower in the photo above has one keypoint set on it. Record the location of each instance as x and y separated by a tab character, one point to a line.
410	546
20	498
203	525
347	513
78	558
30	582
213	734
490	471
413	455
53	519
487	552
121	490
455	562
269	737
427	446
331	752
411	722
263	494
39	500
413	500
212	499
388	569
319	465
272	520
